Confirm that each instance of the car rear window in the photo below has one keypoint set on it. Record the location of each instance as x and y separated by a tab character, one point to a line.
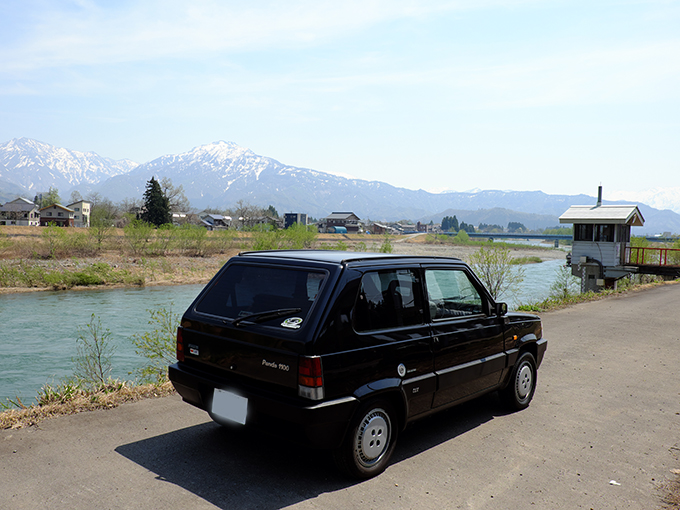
243	290
388	299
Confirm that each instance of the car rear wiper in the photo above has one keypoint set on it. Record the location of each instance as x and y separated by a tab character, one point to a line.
263	316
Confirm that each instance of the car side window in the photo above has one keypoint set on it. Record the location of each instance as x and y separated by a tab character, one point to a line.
451	293
388	299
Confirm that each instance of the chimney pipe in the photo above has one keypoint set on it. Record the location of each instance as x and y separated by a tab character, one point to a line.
599	196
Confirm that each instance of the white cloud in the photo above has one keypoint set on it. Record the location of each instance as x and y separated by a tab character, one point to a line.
92	33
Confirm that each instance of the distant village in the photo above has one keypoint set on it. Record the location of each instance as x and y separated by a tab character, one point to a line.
78	214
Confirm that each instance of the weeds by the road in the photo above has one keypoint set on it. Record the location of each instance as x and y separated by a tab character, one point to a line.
671	499
69	398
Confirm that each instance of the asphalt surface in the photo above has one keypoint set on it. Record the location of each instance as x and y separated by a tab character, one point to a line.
602	432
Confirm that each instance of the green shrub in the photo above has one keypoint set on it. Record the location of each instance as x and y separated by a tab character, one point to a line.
157	346
192	239
386	246
55	241
565	283
93	354
299	236
493	266
223	240
137	236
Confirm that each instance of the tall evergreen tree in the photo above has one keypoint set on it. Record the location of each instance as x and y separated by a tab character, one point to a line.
156	208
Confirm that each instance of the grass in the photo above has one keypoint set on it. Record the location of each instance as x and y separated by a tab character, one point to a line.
70	398
557	303
59	276
525	260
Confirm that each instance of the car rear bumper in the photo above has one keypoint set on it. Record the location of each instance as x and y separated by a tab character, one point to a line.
320	425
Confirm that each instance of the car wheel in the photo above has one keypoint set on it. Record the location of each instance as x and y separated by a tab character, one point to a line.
370	441
522	385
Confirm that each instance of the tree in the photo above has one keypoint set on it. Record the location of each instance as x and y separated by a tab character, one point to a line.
100	226
515	226
450	224
466	227
47	199
156	210
494	267
176	197
75	197
94	352
245	213
483	227
94	198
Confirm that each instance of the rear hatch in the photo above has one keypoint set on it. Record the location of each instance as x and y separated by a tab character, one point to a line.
253	321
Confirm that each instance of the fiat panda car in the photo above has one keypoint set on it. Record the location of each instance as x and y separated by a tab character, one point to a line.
342	350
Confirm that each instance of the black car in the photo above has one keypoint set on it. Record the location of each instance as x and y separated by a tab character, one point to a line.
342	350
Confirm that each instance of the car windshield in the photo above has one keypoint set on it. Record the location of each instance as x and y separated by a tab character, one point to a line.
243	291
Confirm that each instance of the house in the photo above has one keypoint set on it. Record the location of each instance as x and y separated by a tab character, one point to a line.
21	212
215	221
81	213
338	222
290	219
58	215
179	218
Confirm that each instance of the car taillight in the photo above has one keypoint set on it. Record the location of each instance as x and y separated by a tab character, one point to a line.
310	377
180	345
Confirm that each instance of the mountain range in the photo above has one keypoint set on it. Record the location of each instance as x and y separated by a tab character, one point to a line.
222	173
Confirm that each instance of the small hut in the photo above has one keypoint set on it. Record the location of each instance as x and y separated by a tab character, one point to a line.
600	243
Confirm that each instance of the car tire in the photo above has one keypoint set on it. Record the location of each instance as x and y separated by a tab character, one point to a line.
520	389
370	441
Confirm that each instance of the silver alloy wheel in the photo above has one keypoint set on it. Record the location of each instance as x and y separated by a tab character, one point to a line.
373	437
524	381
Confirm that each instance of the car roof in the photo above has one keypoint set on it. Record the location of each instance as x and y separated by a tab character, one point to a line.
343	257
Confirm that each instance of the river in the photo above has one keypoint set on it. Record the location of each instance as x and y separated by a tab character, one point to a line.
40	328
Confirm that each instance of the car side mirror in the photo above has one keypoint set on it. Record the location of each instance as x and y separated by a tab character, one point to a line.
501	309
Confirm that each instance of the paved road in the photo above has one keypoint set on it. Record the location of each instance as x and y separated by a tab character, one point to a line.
607	409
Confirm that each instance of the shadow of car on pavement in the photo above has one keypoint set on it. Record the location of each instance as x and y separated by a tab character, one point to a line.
241	468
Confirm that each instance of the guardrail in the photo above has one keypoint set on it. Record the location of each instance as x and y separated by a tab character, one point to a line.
646	256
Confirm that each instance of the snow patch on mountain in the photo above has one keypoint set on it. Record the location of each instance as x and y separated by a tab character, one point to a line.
659	198
36	165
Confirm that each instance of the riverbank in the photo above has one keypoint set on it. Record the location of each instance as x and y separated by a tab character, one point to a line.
113	269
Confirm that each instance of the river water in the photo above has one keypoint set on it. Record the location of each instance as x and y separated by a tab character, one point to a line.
40	329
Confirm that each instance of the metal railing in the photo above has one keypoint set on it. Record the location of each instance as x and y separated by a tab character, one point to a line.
645	256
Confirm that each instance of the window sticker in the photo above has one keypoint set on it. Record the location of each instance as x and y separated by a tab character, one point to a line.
292	323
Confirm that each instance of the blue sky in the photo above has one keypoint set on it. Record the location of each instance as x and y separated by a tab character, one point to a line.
558	96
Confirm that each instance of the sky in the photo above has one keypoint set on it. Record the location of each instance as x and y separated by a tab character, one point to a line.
550	95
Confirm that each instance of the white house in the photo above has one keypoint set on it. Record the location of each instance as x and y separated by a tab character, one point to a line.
20	211
81	213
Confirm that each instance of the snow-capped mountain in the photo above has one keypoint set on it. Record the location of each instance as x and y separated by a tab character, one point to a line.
659	198
35	166
222	173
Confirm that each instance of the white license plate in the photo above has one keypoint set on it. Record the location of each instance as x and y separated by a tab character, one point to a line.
229	406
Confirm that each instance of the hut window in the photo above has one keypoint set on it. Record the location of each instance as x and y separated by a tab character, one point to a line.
604	233
583	232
